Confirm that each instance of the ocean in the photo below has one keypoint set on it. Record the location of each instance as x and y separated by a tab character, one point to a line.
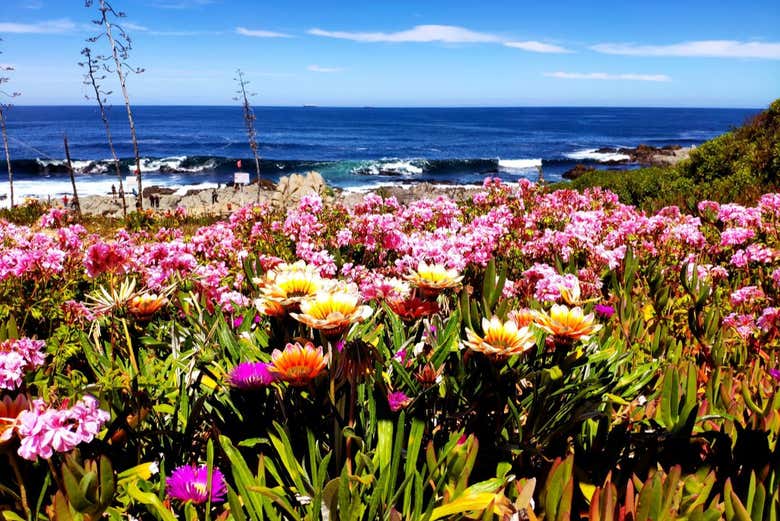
352	148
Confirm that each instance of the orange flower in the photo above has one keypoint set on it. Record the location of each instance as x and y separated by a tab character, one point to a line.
9	414
333	311
522	317
565	323
501	339
432	279
145	305
297	364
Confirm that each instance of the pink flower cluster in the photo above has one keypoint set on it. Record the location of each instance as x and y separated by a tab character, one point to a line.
45	430
17	357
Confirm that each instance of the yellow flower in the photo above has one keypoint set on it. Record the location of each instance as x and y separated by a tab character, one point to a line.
9	414
501	339
566	323
145	305
432	279
287	285
522	317
297	364
333	311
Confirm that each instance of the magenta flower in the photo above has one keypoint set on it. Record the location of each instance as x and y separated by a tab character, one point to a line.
190	483
251	375
603	310
398	400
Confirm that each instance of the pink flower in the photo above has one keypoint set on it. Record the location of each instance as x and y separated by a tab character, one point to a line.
191	483
44	430
398	400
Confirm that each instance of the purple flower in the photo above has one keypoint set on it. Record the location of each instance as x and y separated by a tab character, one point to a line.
237	322
190	483
775	373
251	375
603	310
398	400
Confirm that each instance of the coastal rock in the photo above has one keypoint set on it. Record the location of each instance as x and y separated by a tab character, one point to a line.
578	171
292	188
647	155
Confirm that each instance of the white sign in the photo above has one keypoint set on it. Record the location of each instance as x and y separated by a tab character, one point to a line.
241	178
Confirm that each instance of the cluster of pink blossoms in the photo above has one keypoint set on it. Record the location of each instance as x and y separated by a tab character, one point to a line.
44	430
17	357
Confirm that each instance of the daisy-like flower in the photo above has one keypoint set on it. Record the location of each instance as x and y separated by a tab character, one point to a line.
297	364
432	279
570	294
410	309
251	375
10	409
145	305
567	323
500	339
522	317
286	286
191	483
333	311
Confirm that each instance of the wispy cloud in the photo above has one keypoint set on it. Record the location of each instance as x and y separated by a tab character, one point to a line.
62	25
261	33
32	4
606	76
130	26
534	46
418	33
701	48
183	4
317	68
185	33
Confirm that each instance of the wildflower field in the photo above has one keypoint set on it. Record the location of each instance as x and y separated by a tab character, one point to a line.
522	355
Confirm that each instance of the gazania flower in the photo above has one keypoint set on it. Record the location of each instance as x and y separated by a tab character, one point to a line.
501	339
432	279
144	306
428	375
333	311
297	364
10	409
410	309
251	375
287	285
522	317
570	295
190	483
567	324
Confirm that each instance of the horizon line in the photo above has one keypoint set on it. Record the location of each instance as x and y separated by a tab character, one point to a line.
363	107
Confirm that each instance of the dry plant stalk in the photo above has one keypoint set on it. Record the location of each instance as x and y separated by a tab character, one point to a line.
120	44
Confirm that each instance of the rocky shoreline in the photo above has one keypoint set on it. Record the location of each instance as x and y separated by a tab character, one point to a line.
642	155
286	193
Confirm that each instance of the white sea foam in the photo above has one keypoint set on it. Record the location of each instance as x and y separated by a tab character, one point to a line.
518	164
592	155
390	167
183	189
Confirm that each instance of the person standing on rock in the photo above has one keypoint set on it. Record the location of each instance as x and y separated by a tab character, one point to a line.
113	191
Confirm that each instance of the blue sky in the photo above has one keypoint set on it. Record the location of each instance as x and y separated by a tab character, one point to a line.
404	53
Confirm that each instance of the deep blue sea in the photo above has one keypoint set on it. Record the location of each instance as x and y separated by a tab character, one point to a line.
350	146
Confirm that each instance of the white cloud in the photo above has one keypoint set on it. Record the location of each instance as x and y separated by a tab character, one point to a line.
184	4
260	33
317	68
133	27
534	46
62	25
418	33
605	76
702	48
33	4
